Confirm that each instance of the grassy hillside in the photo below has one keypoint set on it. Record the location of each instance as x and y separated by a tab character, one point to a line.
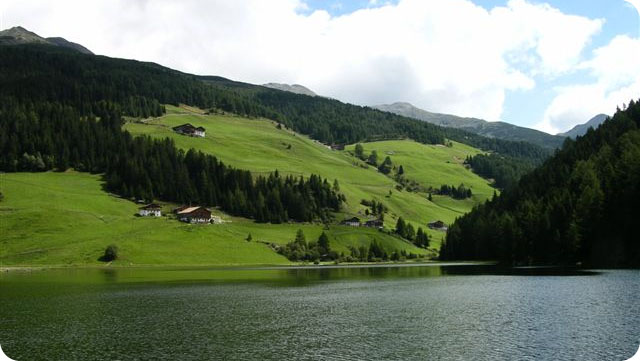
433	166
67	219
258	145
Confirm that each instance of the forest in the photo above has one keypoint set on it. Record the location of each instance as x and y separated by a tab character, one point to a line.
579	207
504	170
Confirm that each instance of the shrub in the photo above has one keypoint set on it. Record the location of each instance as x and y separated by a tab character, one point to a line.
110	253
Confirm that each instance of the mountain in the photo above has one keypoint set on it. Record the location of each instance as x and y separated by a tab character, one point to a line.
67	44
499	130
579	207
19	35
581	129
294	88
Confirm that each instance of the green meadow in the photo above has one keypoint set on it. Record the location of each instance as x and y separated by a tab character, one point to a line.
67	219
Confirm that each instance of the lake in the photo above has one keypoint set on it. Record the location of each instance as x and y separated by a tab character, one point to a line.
433	312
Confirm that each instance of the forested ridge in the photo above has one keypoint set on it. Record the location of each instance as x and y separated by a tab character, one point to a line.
60	110
331	121
581	206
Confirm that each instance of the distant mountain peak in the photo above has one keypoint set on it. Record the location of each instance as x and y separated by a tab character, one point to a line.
581	129
18	35
293	88
500	130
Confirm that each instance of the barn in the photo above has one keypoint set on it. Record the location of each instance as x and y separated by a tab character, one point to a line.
194	215
190	130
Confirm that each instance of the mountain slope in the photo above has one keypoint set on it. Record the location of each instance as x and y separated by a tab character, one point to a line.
294	88
19	35
498	130
581	129
581	206
66	111
258	145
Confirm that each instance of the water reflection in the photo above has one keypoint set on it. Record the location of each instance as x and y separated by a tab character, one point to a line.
390	312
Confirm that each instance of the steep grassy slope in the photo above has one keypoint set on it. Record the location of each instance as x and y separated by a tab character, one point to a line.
433	166
67	219
259	146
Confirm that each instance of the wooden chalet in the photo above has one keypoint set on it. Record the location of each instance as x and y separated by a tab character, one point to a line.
353	222
150	210
194	215
190	130
374	223
337	146
438	225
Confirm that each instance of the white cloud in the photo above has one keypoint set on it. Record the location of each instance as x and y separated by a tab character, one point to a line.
443	55
616	75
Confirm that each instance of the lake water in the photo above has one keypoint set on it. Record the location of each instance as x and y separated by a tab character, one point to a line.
357	313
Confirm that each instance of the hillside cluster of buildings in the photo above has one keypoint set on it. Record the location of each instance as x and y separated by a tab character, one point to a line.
376	223
187	214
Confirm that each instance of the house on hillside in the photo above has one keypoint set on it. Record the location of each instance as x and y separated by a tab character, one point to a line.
353	222
337	146
438	226
190	130
375	223
194	215
150	210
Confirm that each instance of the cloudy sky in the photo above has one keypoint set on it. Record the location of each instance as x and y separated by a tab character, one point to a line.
547	65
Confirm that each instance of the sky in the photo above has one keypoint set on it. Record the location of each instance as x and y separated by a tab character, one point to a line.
547	65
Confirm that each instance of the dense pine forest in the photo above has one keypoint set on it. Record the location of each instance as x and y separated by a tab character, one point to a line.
504	170
581	206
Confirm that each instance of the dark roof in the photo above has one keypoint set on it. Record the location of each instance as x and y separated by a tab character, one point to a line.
354	219
151	206
184	126
200	128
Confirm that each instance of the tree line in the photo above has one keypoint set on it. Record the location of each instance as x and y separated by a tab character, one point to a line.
504	170
581	206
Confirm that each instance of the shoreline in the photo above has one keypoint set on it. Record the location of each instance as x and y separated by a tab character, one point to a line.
165	267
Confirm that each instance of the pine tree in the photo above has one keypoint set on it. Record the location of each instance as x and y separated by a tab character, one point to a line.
359	151
401	228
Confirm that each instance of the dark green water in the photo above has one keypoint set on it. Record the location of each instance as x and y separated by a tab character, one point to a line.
364	313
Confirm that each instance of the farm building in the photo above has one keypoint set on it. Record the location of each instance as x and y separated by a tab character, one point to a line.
376	223
438	225
353	222
190	130
152	210
337	146
194	215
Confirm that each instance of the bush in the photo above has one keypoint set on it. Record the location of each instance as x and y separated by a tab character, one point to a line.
110	253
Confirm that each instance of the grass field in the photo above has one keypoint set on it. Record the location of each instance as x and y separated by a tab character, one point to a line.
67	219
433	166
